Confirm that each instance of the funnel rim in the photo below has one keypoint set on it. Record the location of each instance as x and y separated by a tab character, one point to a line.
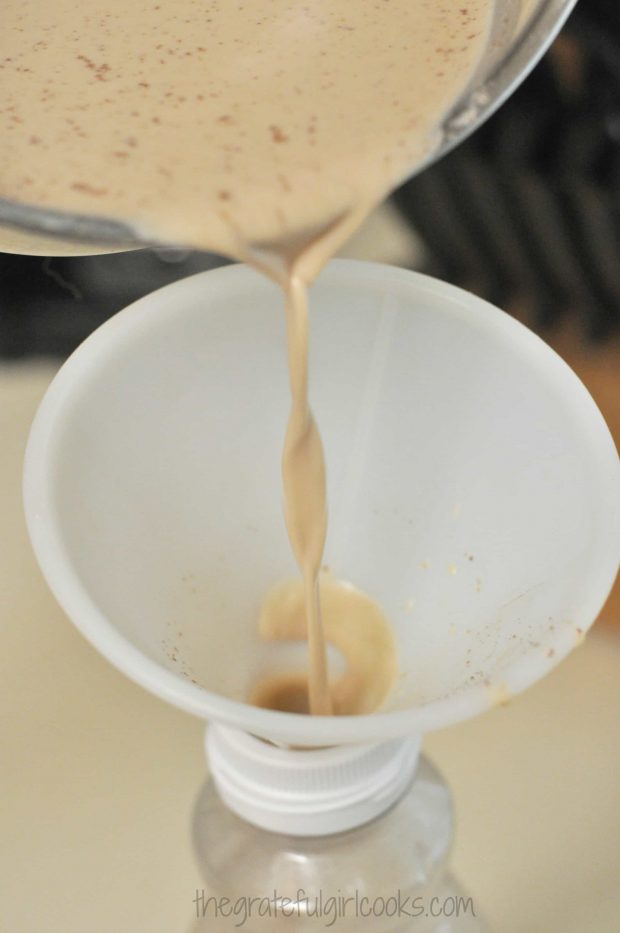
64	581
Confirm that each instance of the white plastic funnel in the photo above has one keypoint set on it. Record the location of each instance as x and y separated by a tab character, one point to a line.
473	491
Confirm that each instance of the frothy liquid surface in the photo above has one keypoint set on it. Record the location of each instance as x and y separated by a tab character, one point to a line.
261	130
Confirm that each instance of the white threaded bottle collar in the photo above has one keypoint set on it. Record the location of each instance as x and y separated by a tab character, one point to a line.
308	792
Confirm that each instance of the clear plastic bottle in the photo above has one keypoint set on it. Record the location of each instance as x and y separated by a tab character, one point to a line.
388	875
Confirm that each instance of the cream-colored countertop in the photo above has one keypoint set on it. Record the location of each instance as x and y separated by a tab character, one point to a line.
98	777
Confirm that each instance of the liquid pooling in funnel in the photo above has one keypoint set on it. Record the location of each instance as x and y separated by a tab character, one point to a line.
354	624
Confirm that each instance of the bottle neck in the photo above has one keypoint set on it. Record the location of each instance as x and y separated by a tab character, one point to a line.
308	792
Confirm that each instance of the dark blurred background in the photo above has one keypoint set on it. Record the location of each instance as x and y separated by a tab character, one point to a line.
527	211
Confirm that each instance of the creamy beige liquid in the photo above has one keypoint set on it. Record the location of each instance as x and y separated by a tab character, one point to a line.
262	130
